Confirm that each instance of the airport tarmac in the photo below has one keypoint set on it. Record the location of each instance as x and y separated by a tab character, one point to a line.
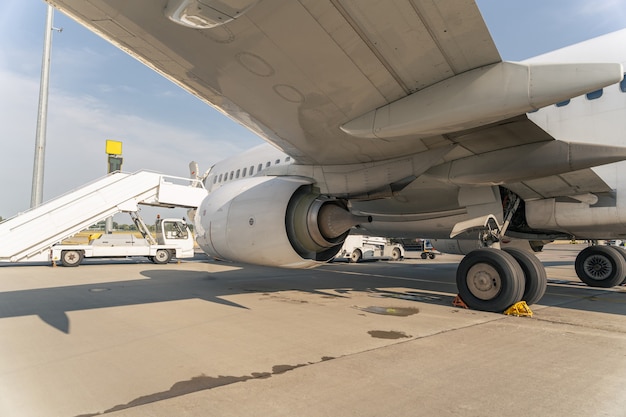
207	338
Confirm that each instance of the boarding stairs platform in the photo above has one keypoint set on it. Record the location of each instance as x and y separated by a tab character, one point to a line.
30	235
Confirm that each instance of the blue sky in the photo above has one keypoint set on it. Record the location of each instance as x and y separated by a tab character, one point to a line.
98	92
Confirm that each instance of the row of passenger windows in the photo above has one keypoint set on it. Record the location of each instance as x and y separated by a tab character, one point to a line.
596	94
242	173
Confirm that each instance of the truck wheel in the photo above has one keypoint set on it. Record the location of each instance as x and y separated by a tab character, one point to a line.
424	255
162	256
396	254
356	255
71	257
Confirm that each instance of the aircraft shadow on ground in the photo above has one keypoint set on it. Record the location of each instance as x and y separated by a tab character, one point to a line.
53	304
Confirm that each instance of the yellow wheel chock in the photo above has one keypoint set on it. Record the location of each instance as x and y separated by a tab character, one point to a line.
520	309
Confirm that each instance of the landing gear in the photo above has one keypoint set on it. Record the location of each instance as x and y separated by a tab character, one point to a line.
535	277
622	251
490	280
601	266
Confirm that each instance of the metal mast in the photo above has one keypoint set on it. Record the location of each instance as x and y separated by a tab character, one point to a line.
40	139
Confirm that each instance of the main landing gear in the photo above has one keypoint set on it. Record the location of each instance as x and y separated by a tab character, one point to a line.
601	266
491	279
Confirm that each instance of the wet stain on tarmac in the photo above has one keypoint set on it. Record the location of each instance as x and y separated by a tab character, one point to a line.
382	334
281	369
198	383
391	311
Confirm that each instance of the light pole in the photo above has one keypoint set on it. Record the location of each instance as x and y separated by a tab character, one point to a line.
40	139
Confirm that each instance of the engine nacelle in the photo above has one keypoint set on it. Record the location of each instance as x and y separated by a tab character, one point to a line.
274	221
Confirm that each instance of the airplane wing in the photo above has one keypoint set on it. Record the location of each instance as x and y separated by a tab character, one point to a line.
339	82
295	71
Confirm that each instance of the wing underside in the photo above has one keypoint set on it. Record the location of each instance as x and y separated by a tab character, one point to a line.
295	71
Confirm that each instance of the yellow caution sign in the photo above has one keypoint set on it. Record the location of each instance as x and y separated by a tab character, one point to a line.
113	147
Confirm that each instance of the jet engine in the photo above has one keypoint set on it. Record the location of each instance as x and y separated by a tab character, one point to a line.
274	221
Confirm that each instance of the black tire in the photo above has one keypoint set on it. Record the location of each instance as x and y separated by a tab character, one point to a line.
72	257
431	255
600	266
396	254
623	252
490	280
162	256
356	256
535	277
424	255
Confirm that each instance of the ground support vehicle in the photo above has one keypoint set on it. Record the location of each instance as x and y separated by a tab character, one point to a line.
361	247
173	240
419	245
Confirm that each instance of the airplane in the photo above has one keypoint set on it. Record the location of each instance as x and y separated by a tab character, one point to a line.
398	118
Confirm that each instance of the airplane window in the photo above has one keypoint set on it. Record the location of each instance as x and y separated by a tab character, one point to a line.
238	172
287	159
562	103
245	170
260	168
277	161
268	164
232	173
252	170
214	179
622	84
594	94
220	180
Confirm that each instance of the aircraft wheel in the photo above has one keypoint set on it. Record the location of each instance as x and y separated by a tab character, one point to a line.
356	255
396	254
490	280
162	256
71	257
536	279
600	266
623	252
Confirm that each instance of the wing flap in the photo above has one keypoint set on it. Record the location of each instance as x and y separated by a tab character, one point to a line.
565	185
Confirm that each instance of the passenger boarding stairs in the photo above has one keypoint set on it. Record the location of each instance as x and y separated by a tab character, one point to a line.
29	235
